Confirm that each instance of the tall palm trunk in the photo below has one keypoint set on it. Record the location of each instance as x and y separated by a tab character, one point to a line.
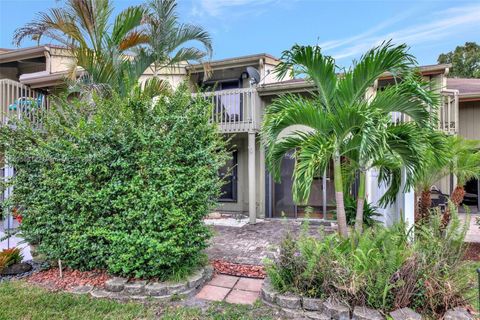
360	202
424	205
338	182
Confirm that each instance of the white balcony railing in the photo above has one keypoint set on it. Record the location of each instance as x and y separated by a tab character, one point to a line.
235	110
20	101
448	112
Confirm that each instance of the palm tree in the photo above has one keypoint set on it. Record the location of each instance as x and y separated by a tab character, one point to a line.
389	146
340	119
115	55
465	164
168	37
435	160
453	155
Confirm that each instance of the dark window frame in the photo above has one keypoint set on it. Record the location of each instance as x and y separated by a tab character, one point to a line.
233	181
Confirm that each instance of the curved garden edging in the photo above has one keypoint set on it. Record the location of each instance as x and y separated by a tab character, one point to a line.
320	309
123	289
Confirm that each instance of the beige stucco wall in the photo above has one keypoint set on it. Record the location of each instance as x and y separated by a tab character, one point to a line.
59	60
270	76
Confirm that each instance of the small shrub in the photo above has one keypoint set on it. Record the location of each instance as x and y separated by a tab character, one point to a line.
119	184
380	268
9	257
369	212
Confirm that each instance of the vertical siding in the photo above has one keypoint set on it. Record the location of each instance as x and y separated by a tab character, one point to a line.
469	127
470	119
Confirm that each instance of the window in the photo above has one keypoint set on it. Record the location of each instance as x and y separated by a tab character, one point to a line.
229	173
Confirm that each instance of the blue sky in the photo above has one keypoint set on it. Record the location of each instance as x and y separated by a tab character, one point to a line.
344	29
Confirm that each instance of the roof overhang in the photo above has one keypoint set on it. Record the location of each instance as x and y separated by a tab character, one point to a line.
277	88
469	97
301	85
23	54
237	62
429	70
44	79
468	89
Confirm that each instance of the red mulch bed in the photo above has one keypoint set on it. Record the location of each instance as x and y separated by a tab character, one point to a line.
239	270
473	251
70	278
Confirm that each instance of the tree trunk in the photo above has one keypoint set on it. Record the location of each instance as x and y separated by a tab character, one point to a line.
424	205
338	182
457	195
360	202
456	198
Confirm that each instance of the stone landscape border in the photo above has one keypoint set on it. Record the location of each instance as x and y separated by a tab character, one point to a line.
123	289
327	309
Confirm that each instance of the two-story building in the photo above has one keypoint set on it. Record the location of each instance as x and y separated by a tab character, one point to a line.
240	89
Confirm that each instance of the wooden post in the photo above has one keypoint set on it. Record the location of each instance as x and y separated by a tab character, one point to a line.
252	201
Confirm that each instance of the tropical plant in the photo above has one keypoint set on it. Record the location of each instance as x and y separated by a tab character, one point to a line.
114	56
344	123
450	155
9	257
124	191
464	164
381	268
435	160
370	212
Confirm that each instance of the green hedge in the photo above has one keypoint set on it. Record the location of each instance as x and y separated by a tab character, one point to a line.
118	184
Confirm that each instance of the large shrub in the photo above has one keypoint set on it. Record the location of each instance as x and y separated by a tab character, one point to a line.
119	184
380	268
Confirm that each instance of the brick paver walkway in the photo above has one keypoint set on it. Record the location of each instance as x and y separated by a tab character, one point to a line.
251	244
231	289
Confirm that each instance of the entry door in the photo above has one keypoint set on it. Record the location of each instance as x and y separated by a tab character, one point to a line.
320	203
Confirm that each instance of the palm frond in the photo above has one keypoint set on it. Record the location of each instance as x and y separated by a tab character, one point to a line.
124	33
384	58
308	61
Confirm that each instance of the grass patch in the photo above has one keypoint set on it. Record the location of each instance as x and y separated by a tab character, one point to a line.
472	293
19	300
222	311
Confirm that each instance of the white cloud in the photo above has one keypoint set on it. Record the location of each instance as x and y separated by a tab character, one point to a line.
443	24
218	7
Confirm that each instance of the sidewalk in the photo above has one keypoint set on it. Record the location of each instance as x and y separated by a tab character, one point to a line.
473	233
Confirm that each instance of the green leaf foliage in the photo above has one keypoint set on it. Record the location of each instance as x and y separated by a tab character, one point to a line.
465	60
369	212
122	184
385	268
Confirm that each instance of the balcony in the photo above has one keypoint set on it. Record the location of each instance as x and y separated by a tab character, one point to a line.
20	101
235	110
448	112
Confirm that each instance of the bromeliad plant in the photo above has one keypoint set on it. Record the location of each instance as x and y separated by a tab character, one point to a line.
345	123
9	257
